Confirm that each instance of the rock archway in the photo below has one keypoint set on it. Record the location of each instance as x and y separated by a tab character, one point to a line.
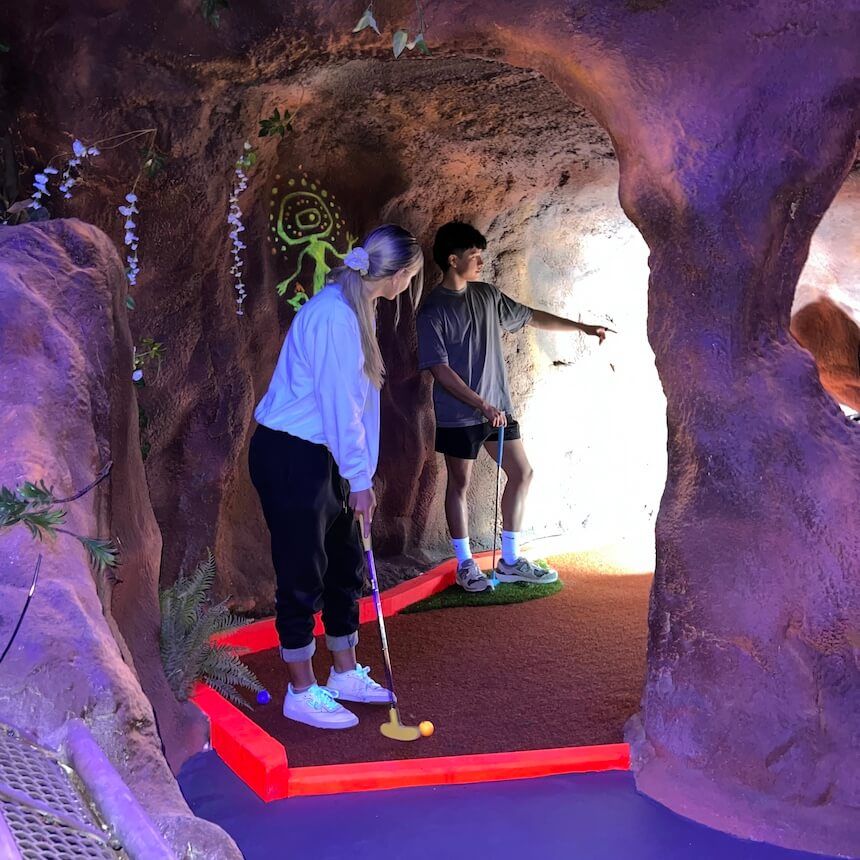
733	129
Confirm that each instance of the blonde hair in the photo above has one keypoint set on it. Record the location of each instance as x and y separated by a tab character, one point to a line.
390	249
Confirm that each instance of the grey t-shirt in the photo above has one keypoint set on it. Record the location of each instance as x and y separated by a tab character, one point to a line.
462	330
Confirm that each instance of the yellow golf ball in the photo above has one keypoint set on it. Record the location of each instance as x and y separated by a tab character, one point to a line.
426	728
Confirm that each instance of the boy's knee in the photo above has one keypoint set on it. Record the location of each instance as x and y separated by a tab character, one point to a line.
458	481
522	477
458	485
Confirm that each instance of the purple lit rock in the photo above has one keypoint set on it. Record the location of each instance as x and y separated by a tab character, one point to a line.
66	408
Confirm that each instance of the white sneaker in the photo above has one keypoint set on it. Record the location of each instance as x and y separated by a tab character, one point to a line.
523	570
357	686
317	707
470	578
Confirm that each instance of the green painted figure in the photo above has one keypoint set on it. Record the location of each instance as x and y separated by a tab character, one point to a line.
308	219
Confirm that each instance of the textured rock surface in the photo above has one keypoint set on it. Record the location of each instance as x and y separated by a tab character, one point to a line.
826	313
67	407
472	139
734	126
750	706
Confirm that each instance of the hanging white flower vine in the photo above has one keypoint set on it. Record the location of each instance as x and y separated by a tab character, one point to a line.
131	240
129	210
71	177
234	220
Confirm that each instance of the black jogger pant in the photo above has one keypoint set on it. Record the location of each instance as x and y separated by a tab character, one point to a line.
316	547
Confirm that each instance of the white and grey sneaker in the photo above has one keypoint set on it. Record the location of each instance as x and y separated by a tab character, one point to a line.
523	570
470	577
357	686
317	707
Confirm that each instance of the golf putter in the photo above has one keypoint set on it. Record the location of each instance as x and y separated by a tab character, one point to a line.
493	579
394	728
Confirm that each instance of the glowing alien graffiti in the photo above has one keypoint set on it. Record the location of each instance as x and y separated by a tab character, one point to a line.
306	218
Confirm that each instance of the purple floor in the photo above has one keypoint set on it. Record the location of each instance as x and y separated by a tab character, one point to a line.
585	816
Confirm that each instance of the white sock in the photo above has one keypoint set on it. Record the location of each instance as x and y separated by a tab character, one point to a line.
462	549
510	546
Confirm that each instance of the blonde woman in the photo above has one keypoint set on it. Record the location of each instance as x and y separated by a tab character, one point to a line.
312	460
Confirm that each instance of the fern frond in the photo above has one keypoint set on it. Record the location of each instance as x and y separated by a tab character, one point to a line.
229	621
194	590
228	693
222	662
188	626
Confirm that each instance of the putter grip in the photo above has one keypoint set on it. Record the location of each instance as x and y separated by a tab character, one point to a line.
365	539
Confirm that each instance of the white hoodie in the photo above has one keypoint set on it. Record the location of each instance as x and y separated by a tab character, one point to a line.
319	390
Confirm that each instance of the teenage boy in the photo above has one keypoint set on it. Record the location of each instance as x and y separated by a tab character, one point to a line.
459	342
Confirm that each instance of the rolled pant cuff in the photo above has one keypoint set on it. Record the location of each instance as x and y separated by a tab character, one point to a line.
296	655
341	643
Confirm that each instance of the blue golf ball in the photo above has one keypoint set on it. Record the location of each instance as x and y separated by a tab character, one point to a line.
263	697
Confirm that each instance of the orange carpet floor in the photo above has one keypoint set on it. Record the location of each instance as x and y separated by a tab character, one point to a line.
565	670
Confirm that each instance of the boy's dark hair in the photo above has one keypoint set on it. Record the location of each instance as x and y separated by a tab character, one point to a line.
454	238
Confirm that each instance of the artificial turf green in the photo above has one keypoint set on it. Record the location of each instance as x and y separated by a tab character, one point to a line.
504	593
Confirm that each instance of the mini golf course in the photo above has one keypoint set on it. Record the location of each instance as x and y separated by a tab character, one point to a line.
524	689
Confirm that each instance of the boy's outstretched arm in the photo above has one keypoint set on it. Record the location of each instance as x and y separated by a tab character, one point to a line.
452	383
550	322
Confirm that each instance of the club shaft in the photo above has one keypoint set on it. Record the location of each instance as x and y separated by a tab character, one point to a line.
498	492
377	601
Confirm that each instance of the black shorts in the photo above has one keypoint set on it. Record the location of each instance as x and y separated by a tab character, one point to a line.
465	442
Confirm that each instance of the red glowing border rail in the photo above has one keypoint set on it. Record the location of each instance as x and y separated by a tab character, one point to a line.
261	761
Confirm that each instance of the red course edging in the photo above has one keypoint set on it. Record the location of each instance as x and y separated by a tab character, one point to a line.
261	761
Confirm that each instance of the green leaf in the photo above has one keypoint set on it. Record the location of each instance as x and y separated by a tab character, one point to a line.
401	37
276	124
149	350
102	552
367	20
46	520
421	45
34	496
248	160
129	303
36	492
153	161
210	11
4	48
34	505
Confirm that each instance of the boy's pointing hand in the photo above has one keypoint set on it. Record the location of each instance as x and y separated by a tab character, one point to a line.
598	331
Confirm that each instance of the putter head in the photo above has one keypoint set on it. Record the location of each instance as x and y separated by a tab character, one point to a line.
395	730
